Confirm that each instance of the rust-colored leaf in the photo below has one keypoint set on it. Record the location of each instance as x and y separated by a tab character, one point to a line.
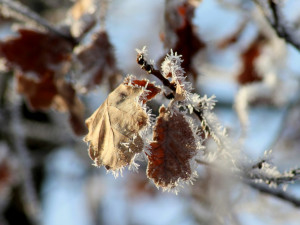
248	74
35	51
172	150
114	128
151	89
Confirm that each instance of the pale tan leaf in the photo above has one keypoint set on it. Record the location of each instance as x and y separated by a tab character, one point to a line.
114	128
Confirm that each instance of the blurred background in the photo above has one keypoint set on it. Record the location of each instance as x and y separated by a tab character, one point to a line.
46	175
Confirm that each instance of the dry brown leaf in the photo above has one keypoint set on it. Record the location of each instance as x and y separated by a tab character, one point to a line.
114	128
35	51
172	150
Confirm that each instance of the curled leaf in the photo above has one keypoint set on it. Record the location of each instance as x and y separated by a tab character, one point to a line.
172	150
114	128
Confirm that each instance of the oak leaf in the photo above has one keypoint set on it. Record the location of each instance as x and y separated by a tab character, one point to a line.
114	128
172	150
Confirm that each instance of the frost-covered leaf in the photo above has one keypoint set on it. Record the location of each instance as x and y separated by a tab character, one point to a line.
114	128
172	151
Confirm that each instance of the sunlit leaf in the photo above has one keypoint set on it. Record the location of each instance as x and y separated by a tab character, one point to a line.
114	128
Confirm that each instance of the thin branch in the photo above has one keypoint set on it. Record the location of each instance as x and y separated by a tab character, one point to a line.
276	193
151	70
279	24
27	13
288	177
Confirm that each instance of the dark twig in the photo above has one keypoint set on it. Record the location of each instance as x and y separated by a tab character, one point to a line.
279	25
150	70
27	13
276	193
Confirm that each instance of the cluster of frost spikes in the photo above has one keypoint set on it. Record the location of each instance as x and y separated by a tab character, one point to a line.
143	51
171	66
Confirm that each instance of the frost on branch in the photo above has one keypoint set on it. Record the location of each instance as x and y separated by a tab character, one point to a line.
173	150
171	67
115	127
